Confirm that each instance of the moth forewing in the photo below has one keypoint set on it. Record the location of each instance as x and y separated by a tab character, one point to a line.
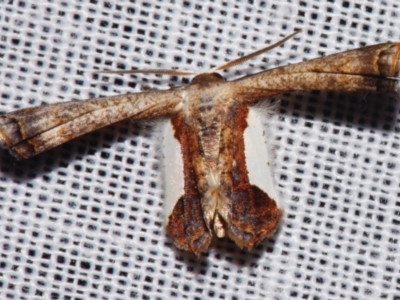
172	168
258	149
370	69
29	131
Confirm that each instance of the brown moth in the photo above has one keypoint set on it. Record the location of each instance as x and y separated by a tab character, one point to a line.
221	176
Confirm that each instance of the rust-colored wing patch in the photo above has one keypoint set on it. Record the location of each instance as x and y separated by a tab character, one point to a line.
254	214
186	224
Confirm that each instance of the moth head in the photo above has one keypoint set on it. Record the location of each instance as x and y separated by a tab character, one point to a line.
205	79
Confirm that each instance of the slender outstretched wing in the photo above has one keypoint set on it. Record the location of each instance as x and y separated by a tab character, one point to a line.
369	69
29	131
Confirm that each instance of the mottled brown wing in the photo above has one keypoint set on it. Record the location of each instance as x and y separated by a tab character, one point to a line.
253	213
29	131
365	69
186	224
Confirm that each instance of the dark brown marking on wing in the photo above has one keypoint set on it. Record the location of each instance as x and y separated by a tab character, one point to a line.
254	215
186	225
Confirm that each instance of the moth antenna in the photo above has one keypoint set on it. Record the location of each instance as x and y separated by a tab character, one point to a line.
147	71
224	66
242	59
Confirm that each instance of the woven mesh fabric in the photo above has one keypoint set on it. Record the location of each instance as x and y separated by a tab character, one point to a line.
85	220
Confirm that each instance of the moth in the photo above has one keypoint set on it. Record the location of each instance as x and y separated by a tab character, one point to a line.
218	170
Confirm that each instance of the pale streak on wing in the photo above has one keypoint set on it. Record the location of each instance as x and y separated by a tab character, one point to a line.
363	69
29	131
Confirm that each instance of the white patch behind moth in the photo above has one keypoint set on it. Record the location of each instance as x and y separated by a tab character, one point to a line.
258	151
172	169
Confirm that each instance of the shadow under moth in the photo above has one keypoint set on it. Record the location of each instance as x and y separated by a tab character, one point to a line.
219	169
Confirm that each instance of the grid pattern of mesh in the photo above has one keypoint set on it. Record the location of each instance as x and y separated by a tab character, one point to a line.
85	221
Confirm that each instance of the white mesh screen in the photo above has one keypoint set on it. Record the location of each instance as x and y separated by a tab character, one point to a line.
85	221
